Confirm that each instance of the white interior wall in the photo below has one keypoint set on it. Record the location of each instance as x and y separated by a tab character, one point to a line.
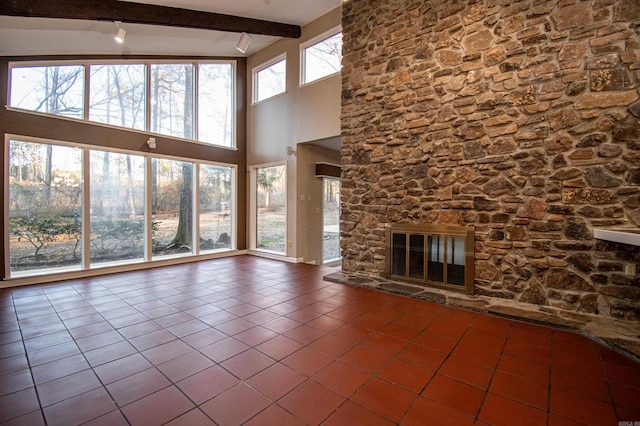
301	114
310	222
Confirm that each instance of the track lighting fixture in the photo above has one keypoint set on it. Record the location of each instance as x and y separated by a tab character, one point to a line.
243	43
120	34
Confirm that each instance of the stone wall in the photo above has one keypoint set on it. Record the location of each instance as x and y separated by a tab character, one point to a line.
520	118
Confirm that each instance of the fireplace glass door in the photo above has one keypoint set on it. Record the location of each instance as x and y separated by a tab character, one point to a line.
441	258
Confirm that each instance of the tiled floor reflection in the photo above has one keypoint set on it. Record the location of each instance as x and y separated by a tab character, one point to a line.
262	342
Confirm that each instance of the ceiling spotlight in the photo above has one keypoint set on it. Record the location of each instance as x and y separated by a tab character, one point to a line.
243	43
119	37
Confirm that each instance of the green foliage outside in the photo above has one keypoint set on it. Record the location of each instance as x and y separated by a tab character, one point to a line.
41	231
120	238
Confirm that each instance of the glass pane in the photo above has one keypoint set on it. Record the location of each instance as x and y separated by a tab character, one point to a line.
435	265
323	58
271	80
215	104
416	256
271	214
172	100
331	220
455	260
117	207
172	207
399	254
117	95
215	207
45	206
53	90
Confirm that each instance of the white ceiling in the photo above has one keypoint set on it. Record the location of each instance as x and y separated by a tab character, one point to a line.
40	36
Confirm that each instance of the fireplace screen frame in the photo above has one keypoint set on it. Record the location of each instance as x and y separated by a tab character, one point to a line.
428	255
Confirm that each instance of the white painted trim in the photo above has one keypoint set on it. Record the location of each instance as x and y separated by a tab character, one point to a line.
262	67
311	42
5	207
275	256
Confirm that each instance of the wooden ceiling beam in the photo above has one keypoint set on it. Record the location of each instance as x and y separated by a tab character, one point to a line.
139	13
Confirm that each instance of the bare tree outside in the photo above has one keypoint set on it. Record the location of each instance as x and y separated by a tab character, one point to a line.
215	104
57	89
117	231
172	100
54	90
271	80
117	95
216	208
323	58
172	218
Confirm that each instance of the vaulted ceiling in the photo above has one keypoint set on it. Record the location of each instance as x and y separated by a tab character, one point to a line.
25	35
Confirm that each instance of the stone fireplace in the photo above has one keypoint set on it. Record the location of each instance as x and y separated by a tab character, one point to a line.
520	119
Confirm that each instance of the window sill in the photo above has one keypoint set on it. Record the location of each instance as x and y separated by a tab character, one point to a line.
109	126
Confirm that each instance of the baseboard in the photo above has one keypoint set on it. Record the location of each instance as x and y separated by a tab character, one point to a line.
275	256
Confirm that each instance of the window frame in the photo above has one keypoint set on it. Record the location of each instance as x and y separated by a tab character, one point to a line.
87	63
86	267
263	66
232	205
335	260
312	42
233	102
36	64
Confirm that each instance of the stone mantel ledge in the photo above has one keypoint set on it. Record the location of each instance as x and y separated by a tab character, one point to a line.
624	235
621	336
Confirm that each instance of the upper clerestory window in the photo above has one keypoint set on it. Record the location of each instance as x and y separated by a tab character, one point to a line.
189	100
321	57
270	79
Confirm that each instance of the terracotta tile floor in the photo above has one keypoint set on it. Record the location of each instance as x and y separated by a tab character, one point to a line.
262	342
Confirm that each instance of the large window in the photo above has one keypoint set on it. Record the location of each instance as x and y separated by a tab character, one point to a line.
216	220
215	104
45	206
190	100
75	207
172	206
117	95
117	222
270	79
172	99
271	215
321	58
55	89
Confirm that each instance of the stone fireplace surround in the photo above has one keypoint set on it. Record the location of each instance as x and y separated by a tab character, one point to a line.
519	118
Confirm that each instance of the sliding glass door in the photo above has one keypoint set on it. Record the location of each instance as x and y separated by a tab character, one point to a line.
330	220
271	212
